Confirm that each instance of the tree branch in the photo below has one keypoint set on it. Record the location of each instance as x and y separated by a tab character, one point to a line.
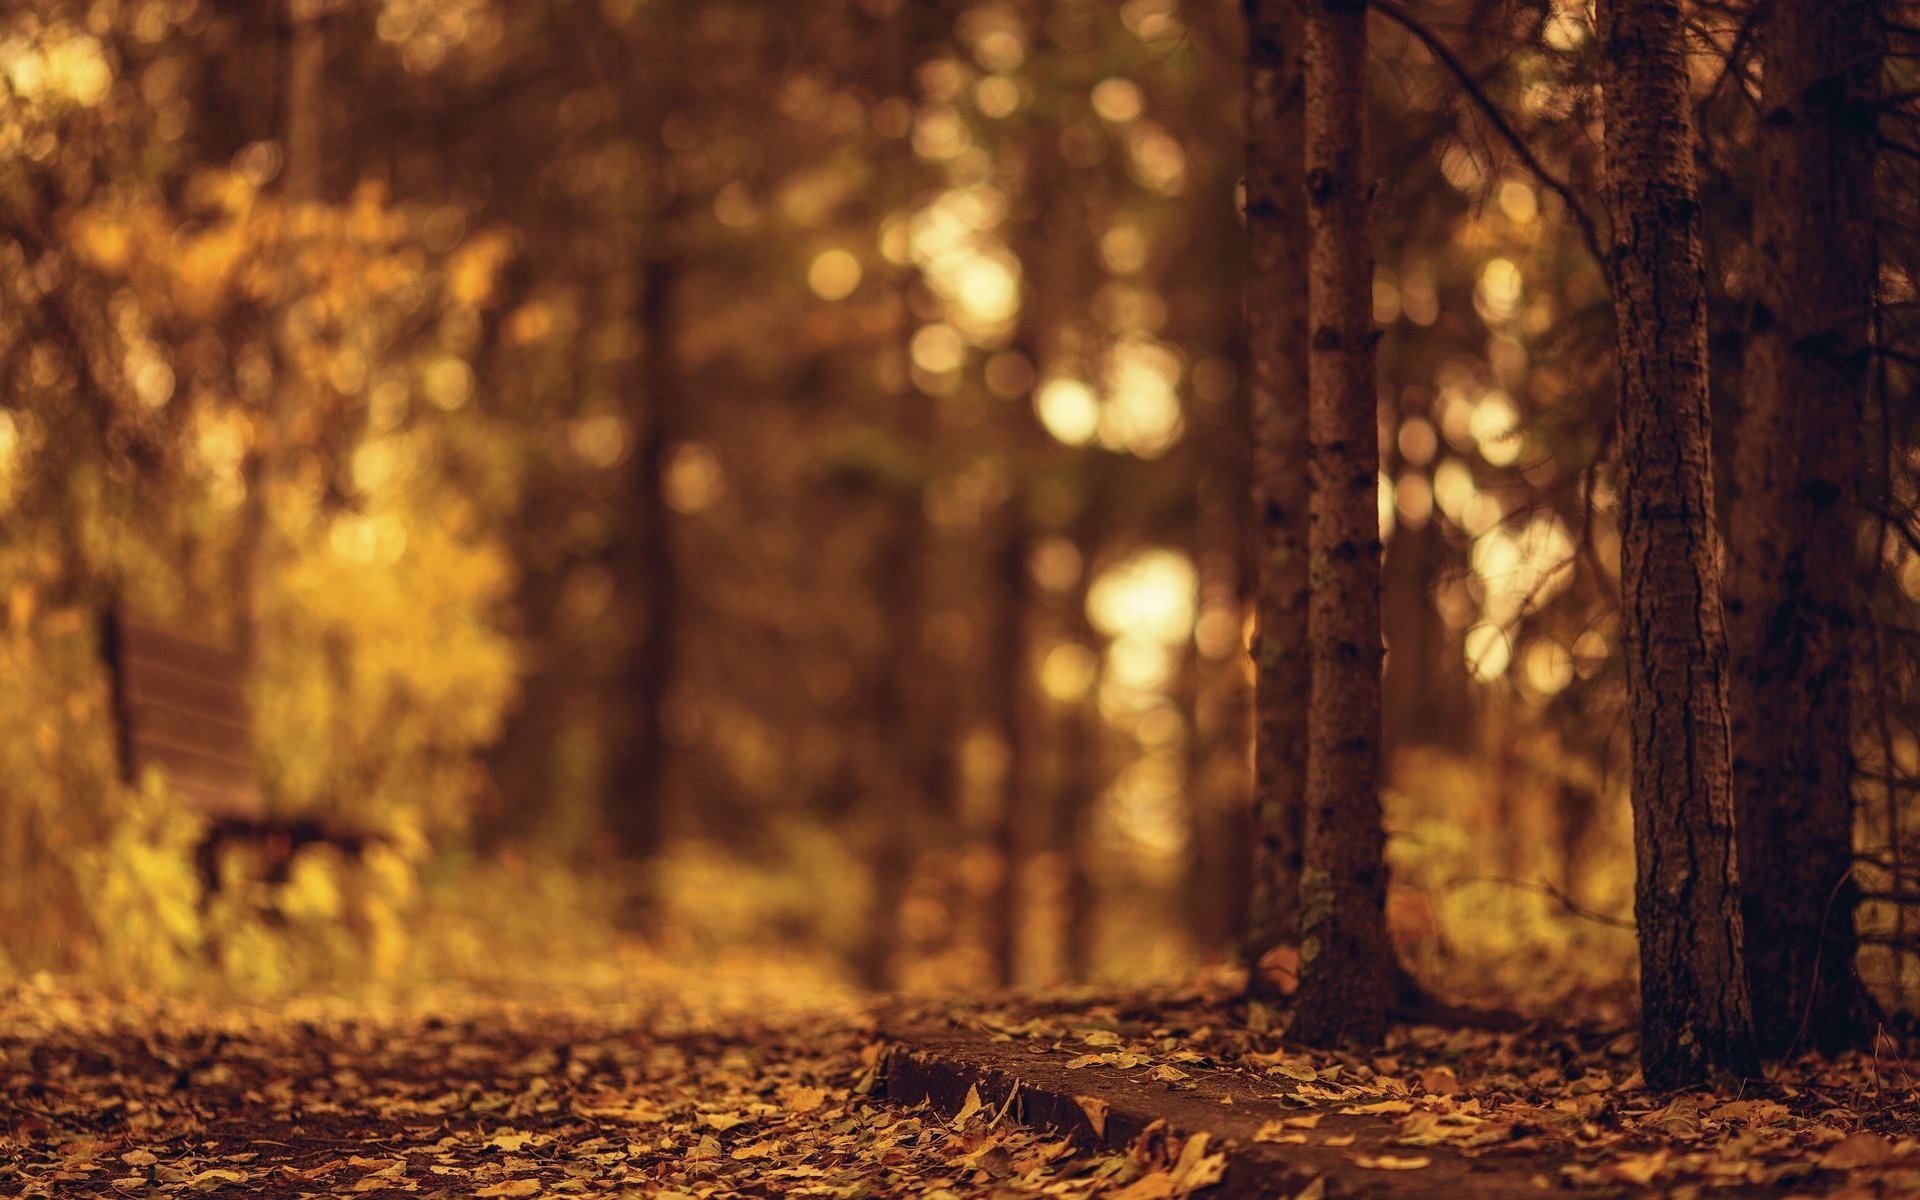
1589	233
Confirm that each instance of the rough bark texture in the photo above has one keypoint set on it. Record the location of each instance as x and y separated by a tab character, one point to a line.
1276	323
1791	607
1347	974
1696	1023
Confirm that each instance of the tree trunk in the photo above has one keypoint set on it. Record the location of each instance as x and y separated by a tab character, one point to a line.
1276	324
639	755
1347	971
1695	1020
1791	612
300	182
1009	694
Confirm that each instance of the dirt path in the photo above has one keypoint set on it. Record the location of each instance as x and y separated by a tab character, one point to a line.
665	1082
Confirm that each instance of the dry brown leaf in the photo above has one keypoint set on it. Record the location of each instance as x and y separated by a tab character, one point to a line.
1858	1150
1392	1162
1096	1113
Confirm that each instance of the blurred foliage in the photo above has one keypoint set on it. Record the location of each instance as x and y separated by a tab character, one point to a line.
837	408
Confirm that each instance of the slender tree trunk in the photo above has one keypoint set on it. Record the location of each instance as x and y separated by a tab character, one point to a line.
1347	971
639	756
901	782
1009	694
1276	324
1791	612
302	126
1695	1020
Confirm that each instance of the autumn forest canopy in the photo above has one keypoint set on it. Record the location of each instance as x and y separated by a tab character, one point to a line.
1355	517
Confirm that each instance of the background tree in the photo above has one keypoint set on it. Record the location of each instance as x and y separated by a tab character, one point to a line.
1276	322
1794	578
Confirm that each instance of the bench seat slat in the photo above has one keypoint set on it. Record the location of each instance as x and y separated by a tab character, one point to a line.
189	726
146	683
192	762
183	651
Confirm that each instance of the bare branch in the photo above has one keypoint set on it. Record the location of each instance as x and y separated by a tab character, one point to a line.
1589	233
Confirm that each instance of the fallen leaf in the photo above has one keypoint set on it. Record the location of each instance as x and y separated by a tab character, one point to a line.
1277	1131
1858	1150
1195	1168
511	1187
1384	1106
1637	1169
1392	1162
1096	1113
969	1108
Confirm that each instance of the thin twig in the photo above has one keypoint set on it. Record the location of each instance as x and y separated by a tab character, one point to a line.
1548	890
1589	233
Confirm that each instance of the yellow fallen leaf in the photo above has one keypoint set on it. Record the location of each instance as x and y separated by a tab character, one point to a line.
1392	1162
803	1099
1637	1169
1277	1131
968	1109
510	1140
1383	1106
1338	1139
511	1187
1096	1111
1157	1186
766	1149
1195	1168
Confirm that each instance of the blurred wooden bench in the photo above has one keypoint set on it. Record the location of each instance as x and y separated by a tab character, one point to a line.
180	709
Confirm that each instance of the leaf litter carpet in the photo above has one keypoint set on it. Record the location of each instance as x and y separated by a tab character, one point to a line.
647	1080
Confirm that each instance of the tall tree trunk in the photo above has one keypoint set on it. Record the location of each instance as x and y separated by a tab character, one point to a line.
302	126
1695	1020
639	755
905	780
1348	974
1276	324
1791	612
1009	694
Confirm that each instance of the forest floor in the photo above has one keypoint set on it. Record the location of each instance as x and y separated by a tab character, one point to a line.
650	1080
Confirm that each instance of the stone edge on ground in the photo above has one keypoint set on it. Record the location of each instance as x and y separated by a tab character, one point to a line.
939	1066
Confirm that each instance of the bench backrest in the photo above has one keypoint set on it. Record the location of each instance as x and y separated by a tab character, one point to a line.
180	706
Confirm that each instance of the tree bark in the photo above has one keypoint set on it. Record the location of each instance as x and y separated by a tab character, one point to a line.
639	754
1276	324
1791	612
1347	971
1695	1020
